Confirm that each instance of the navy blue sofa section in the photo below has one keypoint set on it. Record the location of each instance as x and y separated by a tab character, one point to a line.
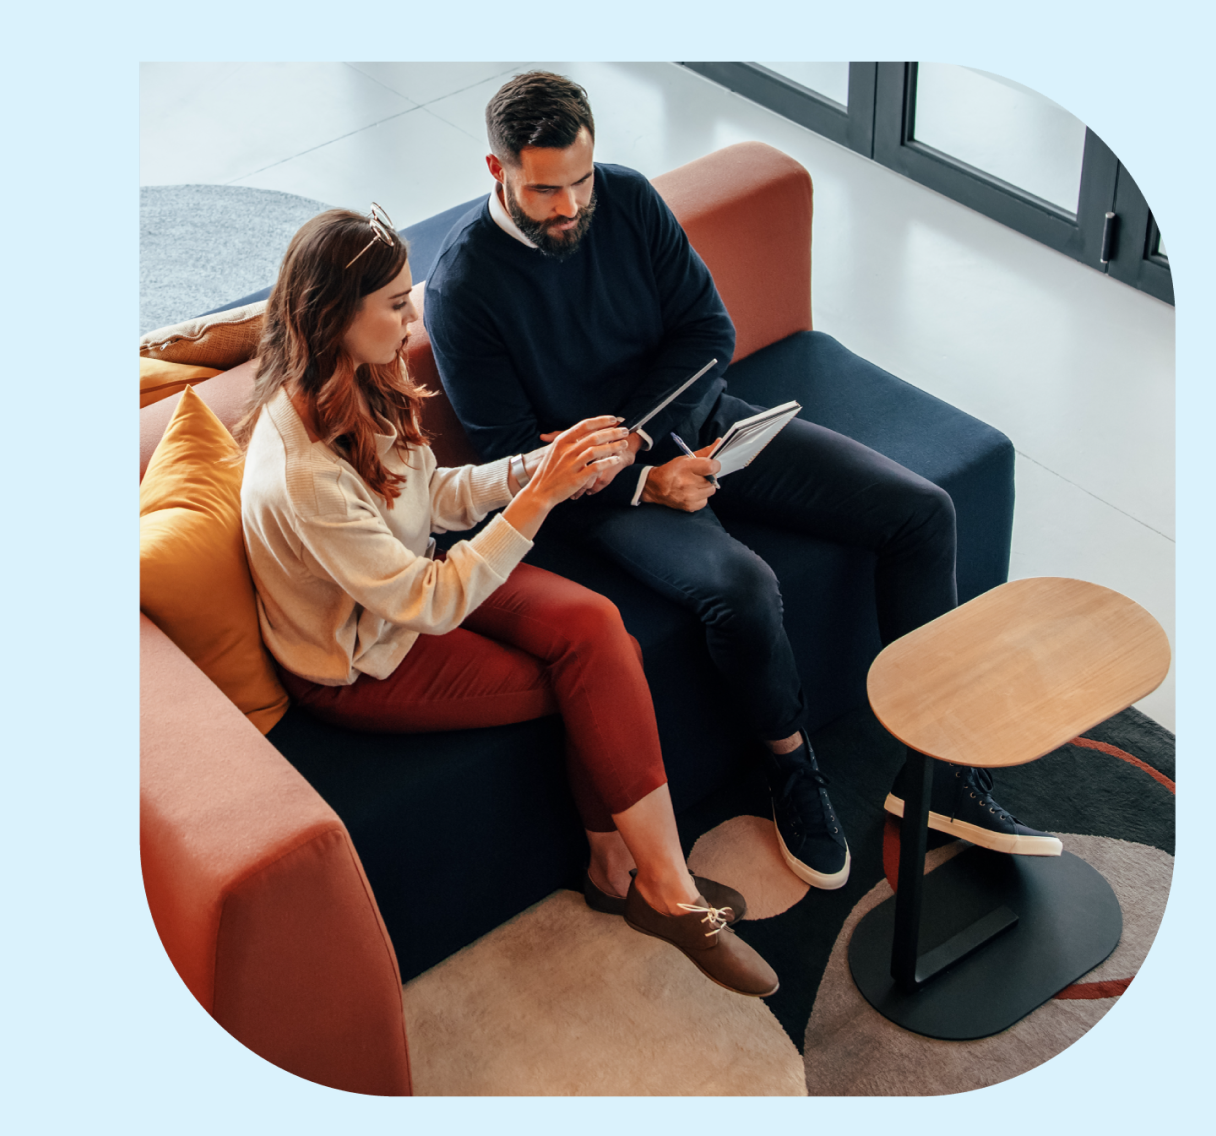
460	831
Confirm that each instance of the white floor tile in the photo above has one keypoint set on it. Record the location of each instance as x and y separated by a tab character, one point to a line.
1060	529
217	123
415	165
425	82
465	109
1076	368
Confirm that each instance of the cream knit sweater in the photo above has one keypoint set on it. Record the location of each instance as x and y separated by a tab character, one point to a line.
345	585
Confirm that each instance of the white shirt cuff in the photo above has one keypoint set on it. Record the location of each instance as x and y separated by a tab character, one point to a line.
637	493
645	438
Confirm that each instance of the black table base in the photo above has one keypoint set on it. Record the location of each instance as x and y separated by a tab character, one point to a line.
1065	920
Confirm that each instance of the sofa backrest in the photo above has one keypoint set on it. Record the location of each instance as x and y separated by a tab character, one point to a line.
747	210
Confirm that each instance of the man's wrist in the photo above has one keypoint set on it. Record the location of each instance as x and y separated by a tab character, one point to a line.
640	488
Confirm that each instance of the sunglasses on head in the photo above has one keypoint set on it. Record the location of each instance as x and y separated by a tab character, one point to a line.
382	231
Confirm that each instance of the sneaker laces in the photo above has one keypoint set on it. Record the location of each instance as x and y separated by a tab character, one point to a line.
808	777
981	779
715	916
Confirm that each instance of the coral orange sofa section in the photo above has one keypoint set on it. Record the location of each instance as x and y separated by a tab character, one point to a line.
256	890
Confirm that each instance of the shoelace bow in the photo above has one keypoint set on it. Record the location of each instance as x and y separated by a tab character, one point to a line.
811	775
799	772
715	916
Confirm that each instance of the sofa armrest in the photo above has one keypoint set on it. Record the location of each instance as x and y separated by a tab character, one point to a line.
256	890
747	210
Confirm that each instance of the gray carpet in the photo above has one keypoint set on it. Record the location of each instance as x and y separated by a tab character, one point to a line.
201	246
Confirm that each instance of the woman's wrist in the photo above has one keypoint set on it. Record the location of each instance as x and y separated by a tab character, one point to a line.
520	474
527	464
527	512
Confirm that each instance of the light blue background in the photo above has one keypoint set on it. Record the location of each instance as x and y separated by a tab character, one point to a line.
98	1031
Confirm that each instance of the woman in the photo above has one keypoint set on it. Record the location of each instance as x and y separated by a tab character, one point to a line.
375	631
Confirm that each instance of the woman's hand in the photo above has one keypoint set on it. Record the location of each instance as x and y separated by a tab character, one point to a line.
575	458
607	470
569	464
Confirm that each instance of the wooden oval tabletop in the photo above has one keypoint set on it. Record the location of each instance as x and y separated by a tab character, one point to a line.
1018	671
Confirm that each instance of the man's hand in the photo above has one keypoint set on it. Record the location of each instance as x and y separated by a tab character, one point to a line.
683	483
605	479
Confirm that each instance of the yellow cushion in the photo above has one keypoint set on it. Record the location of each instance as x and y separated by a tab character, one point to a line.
221	340
158	379
194	581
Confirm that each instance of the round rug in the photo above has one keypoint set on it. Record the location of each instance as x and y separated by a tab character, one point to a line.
564	1000
201	246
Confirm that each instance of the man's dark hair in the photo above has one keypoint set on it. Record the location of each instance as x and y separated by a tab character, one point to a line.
536	108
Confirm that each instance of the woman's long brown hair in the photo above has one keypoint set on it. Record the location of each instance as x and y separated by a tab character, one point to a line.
312	305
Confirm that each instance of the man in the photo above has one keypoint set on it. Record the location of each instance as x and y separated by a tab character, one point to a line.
573	291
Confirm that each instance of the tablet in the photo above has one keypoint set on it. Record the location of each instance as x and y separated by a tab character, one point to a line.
674	394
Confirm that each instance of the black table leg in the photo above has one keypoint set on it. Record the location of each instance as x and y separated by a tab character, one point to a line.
913	835
909	968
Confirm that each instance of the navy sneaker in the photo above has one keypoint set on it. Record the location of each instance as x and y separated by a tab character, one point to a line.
962	805
808	832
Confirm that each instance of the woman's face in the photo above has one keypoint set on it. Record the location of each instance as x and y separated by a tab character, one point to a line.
377	332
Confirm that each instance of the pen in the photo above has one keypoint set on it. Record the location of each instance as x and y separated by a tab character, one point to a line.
680	442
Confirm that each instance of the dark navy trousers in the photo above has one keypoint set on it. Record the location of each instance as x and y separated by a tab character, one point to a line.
808	479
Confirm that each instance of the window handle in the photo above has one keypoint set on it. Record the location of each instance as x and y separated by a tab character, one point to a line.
1109	229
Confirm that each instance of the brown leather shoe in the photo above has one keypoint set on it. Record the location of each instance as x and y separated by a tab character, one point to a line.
719	896
702	934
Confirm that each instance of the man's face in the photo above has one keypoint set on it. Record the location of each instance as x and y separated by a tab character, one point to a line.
550	194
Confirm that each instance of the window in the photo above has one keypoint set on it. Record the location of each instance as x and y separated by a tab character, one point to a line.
829	80
808	94
983	140
1001	128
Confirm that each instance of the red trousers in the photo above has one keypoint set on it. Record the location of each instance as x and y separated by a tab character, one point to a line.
539	645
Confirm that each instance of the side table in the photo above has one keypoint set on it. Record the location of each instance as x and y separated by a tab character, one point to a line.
1002	680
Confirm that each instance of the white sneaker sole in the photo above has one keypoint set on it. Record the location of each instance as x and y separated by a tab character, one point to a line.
984	837
808	874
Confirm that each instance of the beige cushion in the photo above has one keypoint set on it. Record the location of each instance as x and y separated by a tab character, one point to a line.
158	379
221	341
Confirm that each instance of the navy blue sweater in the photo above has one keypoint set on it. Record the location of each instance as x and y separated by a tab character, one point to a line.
526	343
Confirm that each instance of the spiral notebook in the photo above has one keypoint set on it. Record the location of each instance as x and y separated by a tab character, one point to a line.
747	437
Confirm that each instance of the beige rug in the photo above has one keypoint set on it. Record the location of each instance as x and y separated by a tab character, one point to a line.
565	1001
562	1001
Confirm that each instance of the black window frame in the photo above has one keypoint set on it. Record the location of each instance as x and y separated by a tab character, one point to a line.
879	123
851	126
1078	235
1134	259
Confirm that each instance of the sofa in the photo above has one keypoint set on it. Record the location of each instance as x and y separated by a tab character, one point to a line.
291	868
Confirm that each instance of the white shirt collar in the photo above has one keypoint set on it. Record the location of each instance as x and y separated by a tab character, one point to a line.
502	218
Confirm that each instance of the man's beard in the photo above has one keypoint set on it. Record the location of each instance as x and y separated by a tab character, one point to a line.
559	244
